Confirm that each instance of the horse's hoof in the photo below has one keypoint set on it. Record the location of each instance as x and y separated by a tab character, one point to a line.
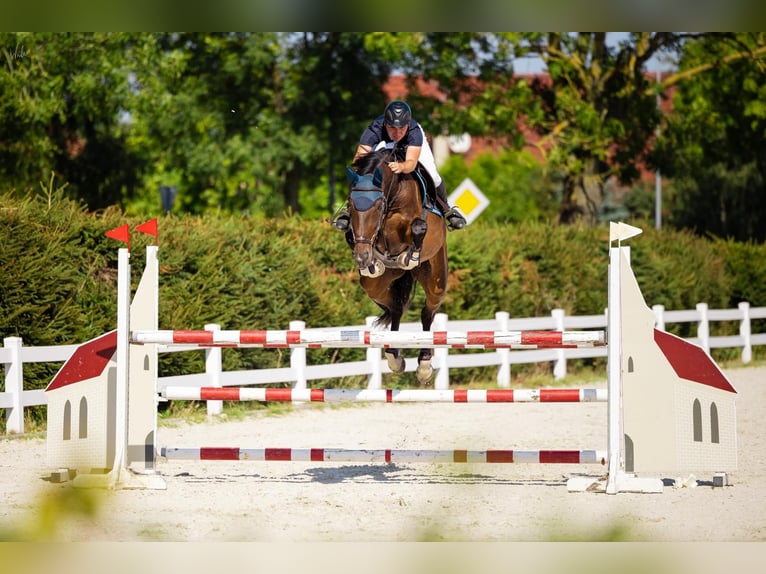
424	372
395	363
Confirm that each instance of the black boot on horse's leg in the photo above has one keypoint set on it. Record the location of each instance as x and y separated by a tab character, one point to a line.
455	219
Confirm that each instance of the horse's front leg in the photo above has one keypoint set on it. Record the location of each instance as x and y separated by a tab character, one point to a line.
393	357
425	371
395	361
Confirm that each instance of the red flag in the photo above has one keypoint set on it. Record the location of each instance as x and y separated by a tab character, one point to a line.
121	233
150	227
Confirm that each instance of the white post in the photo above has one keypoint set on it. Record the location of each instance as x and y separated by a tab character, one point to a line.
744	332
560	365
213	368
441	380
123	364
614	371
298	358
504	370
374	369
14	384
703	328
659	317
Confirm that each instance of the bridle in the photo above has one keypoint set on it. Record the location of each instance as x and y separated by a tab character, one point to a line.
365	194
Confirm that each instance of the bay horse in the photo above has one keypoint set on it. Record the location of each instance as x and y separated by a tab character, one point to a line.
396	240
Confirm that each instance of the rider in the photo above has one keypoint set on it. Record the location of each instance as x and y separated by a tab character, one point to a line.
395	125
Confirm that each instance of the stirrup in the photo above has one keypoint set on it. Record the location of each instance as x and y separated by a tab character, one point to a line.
455	219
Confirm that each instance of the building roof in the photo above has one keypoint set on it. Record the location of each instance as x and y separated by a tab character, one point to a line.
87	362
691	362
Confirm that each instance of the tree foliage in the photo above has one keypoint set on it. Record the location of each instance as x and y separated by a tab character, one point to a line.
265	122
61	96
590	118
713	146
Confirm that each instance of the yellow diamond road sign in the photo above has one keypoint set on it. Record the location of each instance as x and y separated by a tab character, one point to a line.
469	200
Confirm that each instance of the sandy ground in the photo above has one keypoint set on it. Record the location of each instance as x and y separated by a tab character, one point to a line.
322	501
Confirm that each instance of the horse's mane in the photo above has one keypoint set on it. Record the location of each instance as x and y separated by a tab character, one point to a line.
368	162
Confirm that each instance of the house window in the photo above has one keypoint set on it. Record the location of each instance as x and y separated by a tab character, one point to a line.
697	420
630	364
83	418
67	420
714	438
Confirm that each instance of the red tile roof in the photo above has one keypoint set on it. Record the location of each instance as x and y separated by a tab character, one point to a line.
691	362
88	361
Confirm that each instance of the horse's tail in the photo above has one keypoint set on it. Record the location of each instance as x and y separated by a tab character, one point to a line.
401	292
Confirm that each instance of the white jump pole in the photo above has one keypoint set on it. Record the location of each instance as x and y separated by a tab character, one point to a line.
614	370
118	473
123	364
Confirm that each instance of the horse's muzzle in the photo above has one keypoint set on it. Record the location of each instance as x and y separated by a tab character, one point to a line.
363	256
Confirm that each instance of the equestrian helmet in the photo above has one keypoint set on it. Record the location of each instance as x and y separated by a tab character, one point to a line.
398	114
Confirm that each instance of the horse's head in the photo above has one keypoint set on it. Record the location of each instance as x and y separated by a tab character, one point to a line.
368	203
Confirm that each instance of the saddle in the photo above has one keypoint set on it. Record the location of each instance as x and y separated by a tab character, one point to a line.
426	183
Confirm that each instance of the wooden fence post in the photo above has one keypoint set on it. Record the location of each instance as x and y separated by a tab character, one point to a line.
298	358
213	367
14	384
504	369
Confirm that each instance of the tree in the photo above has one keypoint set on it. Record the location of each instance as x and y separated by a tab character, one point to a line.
331	84
201	118
593	117
713	144
61	98
250	121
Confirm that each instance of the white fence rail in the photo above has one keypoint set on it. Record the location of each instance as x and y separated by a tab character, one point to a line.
13	355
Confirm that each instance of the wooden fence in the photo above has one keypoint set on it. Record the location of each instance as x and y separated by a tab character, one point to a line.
13	355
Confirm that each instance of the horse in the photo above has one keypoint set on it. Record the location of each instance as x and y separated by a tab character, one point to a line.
396	241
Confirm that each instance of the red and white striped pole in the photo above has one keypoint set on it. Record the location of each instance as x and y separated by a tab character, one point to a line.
385	395
358	338
386	455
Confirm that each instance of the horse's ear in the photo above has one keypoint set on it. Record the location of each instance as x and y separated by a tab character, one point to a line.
377	177
352	176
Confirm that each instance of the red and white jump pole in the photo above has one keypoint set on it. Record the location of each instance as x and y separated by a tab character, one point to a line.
386	455
357	338
385	395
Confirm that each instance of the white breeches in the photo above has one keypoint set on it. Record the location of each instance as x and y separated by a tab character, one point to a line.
426	158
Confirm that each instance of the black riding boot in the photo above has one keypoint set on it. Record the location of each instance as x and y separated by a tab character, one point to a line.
455	219
342	218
